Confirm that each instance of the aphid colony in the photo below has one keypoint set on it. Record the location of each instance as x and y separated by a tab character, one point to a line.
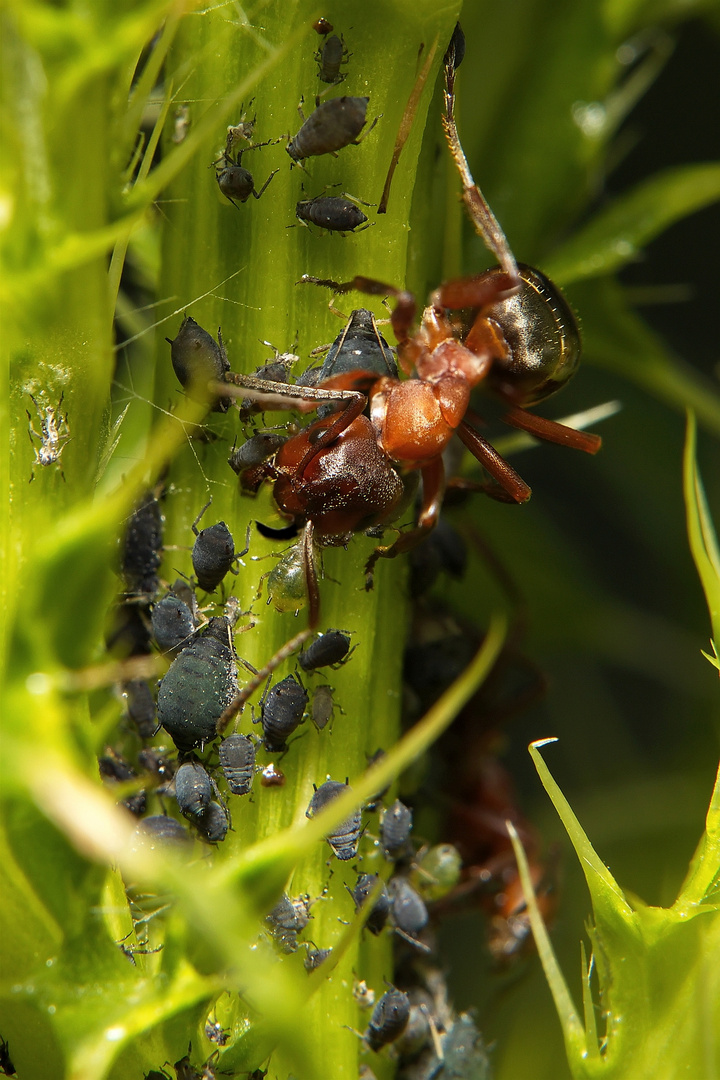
334	124
354	468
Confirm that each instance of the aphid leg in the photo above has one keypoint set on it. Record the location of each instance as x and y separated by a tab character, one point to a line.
282	654
197	519
552	431
482	217
257	194
433	478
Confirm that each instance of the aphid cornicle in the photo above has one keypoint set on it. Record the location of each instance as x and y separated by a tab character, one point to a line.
327	650
333	125
281	712
199	686
395	829
237	759
198	360
389	1019
345	837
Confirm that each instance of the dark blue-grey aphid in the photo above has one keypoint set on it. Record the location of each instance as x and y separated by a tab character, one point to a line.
333	125
141	707
172	624
315	958
213	823
198	360
381	908
345	837
395	829
162	830
409	913
193	789
286	920
213	554
327	649
281	712
141	548
389	1019
200	684
237	759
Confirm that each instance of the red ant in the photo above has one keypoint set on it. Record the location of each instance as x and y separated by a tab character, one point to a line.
344	473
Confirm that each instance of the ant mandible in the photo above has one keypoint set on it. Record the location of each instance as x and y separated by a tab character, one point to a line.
523	343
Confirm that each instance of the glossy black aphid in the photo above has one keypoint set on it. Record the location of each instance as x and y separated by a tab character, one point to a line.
213	553
213	823
141	548
326	650
115	769
286	920
198	360
141	707
409	913
395	829
330	56
162	830
359	347
388	1020
381	908
237	760
281	712
332	212
345	837
193	789
200	685
333	125
172	623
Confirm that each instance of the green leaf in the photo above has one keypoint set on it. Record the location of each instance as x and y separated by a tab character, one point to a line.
617	234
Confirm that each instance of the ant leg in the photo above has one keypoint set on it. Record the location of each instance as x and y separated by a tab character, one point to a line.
311	580
433	478
482	217
552	431
333	430
403	314
496	465
480	291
